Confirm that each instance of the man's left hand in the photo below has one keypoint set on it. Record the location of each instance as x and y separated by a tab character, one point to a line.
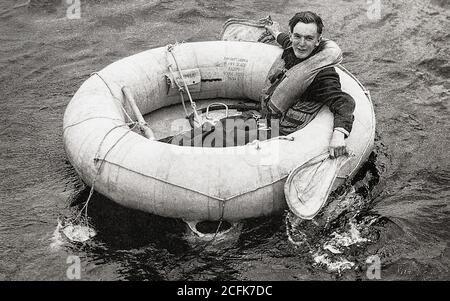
337	145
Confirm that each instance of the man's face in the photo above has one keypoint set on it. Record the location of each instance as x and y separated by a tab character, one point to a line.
304	39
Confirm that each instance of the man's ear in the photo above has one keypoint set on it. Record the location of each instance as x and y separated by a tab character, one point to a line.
319	40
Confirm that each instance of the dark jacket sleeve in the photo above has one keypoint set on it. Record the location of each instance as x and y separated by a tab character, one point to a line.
326	88
284	40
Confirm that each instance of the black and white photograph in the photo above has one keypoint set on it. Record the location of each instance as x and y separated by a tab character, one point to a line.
225	146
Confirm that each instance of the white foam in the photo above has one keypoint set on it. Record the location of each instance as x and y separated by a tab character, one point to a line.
335	266
78	233
346	239
72	232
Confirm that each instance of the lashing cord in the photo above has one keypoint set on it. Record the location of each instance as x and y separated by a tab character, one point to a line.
180	90
131	126
170	49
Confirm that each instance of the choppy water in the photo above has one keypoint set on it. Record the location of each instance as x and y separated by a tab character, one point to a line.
397	208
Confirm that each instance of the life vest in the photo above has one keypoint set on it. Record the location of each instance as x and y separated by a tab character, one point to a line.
284	87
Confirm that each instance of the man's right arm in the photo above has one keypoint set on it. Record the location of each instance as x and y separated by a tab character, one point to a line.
274	29
284	40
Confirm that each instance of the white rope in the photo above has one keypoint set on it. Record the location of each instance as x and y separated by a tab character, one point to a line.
193	105
112	94
180	89
96	159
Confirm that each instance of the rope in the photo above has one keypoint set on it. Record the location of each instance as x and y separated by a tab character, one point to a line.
220	222
261	23
91	191
184	105
197	191
104	117
180	89
217	229
91	118
96	159
193	105
115	98
109	132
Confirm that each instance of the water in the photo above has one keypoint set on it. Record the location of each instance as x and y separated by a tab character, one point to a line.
397	208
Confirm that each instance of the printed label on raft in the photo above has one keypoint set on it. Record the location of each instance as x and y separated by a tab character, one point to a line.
234	68
192	79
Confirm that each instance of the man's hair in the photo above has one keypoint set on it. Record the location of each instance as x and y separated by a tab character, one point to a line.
306	17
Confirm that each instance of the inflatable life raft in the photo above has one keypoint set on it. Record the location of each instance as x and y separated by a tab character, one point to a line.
195	183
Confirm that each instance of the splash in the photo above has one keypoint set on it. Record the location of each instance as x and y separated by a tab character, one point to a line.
74	233
338	244
228	236
329	251
78	233
333	265
337	230
346	239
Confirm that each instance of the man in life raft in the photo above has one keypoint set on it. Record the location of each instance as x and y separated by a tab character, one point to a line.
294	92
304	41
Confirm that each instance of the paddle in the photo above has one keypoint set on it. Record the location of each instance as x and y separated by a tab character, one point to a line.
142	124
308	186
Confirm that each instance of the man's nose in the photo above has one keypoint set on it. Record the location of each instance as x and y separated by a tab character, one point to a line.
302	41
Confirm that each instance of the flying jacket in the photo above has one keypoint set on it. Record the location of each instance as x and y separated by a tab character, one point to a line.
325	89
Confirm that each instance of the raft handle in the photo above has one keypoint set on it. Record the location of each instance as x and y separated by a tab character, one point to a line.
216	104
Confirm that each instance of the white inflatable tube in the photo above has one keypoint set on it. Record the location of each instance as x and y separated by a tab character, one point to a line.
194	183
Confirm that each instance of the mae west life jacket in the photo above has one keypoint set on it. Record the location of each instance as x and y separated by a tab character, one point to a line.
283	88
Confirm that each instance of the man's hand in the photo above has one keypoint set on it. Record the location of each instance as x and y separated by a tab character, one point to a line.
337	145
274	29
